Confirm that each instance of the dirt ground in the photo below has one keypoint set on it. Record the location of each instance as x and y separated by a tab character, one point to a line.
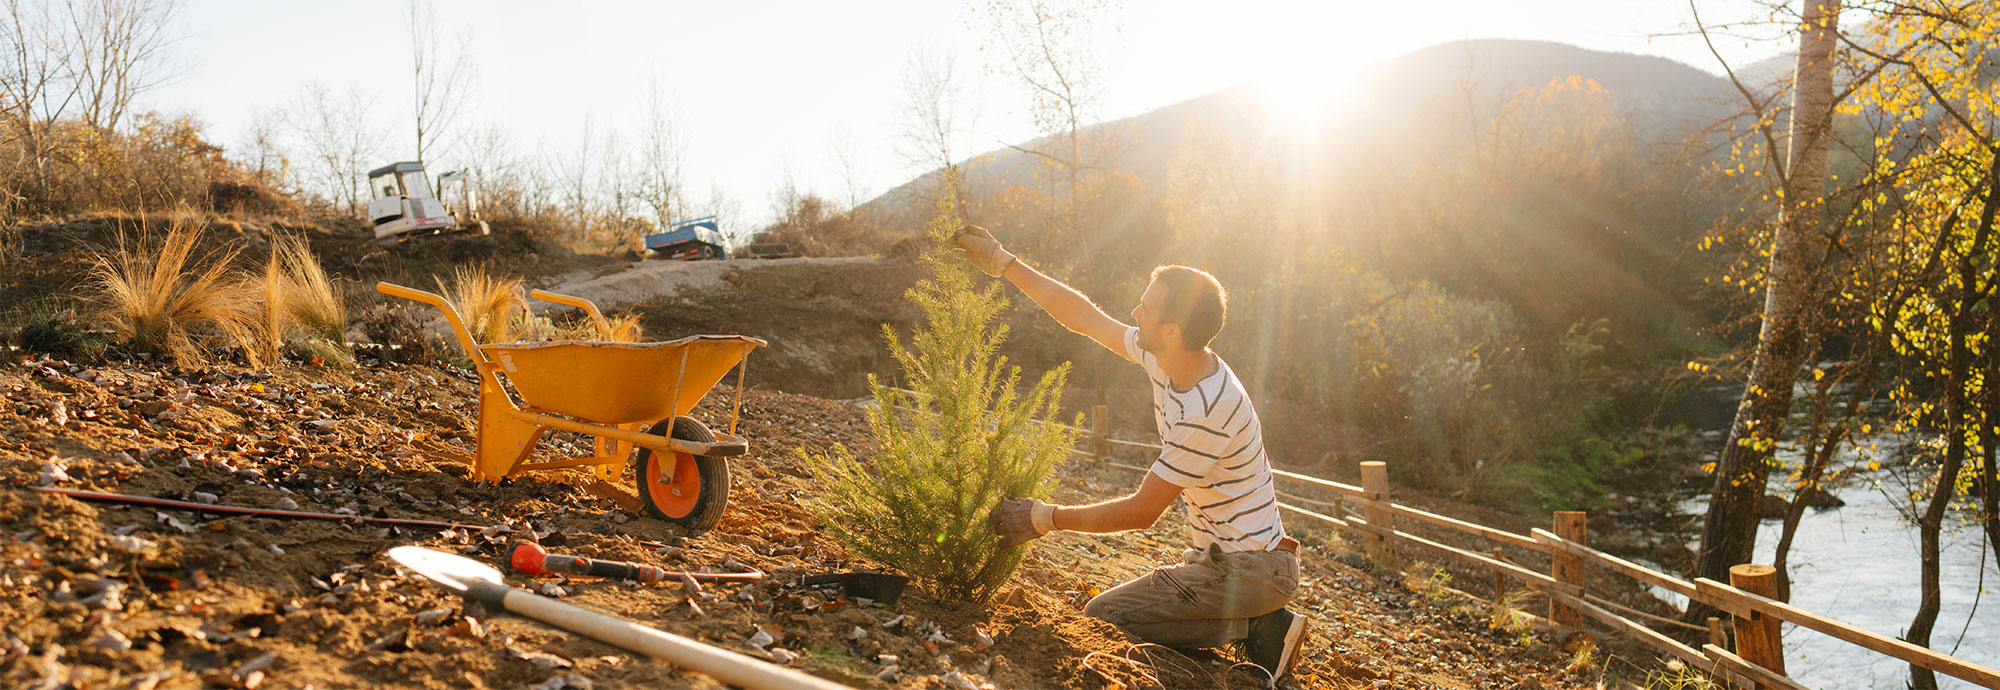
106	595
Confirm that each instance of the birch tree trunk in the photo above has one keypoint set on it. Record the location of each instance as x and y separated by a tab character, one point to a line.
1730	531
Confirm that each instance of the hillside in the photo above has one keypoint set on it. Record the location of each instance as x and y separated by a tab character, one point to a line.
1674	99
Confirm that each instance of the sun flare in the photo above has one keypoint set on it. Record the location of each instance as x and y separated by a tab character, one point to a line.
1302	95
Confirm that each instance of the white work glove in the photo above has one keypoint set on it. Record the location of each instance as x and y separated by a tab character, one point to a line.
1021	520
979	247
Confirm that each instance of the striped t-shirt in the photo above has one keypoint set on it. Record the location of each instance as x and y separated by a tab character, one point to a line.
1214	451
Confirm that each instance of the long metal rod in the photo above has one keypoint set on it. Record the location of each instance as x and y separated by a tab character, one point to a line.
726	446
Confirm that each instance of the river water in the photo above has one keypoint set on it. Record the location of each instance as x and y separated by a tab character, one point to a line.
1858	563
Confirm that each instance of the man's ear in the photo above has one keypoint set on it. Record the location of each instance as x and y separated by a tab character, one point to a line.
1170	335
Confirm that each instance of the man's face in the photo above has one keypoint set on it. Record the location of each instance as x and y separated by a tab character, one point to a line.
1154	336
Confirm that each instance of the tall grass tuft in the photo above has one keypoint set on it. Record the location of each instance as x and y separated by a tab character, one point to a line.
267	339
156	299
492	306
300	309
625	328
314	302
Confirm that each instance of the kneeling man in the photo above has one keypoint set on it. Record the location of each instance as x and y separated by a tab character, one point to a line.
1243	569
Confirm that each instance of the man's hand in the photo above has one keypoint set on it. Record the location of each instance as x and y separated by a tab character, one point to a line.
1021	520
982	250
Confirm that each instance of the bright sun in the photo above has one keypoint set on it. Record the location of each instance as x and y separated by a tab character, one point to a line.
1304	96
1312	56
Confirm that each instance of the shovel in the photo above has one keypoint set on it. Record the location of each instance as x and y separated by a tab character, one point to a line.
478	582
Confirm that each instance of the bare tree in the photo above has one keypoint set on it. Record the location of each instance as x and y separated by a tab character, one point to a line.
263	149
443	77
35	86
118	52
847	162
661	150
728	214
337	134
1048	47
935	114
577	197
497	172
619	195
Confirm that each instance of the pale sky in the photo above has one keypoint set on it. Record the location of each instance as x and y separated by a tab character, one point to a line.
765	89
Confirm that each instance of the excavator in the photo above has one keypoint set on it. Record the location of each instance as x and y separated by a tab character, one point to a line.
404	208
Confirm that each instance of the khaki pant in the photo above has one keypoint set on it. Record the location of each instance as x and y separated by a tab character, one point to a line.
1207	601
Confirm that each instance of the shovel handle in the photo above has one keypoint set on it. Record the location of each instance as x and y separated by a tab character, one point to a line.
727	666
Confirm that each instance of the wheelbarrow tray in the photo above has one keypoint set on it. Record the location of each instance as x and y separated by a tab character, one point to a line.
618	383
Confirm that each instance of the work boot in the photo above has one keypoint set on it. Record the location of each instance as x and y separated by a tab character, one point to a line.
1274	642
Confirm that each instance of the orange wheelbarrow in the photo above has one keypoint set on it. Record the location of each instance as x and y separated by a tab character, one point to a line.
631	397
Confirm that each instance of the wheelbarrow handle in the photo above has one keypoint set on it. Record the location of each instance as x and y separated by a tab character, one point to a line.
588	307
431	298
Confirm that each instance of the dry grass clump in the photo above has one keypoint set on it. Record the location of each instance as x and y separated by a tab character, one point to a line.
625	328
300	309
160	297
157	299
493	307
314	301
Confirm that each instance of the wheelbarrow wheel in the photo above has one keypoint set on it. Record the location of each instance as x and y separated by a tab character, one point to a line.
699	490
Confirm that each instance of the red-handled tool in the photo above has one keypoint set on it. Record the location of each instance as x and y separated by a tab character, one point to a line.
531	559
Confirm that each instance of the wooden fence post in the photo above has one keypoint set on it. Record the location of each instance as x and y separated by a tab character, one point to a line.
1757	636
1568	567
1375	479
1499	578
1100	432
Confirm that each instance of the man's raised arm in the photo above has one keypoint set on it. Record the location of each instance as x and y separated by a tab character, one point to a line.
1070	308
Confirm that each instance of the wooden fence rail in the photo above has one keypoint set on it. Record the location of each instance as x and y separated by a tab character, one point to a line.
1756	661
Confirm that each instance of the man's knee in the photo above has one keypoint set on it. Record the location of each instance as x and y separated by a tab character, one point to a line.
1115	604
1099	606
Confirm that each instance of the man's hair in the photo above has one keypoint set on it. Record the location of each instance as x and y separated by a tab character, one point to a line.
1195	301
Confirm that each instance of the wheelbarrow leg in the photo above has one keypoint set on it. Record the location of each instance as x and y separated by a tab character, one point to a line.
606	479
503	440
609	448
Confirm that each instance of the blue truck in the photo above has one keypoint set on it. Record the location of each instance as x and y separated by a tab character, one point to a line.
689	240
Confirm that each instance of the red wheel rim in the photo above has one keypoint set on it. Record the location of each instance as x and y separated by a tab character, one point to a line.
676	498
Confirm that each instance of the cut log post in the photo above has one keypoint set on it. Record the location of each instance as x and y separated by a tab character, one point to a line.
1375	480
1568	567
1757	634
1499	579
1100	432
1715	636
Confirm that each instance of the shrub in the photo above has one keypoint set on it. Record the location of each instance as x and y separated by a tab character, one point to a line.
399	329
493	307
156	300
57	331
948	452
